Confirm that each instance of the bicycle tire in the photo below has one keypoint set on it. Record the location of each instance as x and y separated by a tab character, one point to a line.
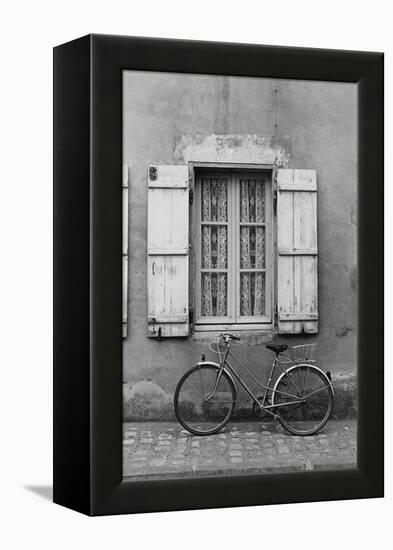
204	417
311	416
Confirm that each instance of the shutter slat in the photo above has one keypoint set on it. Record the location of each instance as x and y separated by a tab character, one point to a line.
297	252
297	277
164	251
168	249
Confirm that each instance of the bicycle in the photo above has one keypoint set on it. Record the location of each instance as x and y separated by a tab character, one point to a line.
301	399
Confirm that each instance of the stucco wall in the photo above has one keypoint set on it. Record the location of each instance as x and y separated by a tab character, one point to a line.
312	125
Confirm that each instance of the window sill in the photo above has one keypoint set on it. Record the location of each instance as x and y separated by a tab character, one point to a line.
250	336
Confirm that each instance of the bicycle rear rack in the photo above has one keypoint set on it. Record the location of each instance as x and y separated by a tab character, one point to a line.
302	353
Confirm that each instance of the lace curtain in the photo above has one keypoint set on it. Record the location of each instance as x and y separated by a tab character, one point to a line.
214	246
214	249
252	247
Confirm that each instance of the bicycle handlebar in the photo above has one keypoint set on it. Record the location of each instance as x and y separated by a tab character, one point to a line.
227	336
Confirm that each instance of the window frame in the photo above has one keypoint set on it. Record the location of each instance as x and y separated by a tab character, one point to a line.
231	322
228	319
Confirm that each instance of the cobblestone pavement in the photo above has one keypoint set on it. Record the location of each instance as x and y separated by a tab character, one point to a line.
164	449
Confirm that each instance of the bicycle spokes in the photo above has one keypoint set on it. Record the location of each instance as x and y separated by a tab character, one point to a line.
312	406
205	399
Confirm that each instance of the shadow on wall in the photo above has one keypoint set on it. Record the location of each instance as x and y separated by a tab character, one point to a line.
345	396
148	401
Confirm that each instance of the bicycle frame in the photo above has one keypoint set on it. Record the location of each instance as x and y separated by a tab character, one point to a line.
225	365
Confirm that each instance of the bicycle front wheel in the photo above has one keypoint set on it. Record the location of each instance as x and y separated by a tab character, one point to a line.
205	399
304	399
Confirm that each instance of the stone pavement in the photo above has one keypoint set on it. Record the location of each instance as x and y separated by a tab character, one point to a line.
165	449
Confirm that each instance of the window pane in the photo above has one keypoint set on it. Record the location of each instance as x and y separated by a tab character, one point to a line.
214	247
252	247
252	294
214	294
252	201
214	200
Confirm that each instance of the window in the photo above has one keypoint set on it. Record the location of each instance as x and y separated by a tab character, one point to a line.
233	243
224	268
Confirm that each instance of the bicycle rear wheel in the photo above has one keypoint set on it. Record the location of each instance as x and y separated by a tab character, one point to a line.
304	399
197	408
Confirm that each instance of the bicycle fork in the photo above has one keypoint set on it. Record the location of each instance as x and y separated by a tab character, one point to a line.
222	366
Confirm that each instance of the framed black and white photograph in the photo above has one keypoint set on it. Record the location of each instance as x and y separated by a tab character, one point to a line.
242	231
218	270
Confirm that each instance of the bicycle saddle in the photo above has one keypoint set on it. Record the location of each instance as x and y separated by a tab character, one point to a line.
277	348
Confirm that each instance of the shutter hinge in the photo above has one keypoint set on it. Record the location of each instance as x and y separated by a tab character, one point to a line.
125	176
191	315
191	196
152	328
275	191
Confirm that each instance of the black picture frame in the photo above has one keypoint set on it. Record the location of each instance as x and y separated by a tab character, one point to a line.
88	278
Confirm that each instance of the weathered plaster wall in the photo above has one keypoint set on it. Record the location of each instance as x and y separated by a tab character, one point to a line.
167	119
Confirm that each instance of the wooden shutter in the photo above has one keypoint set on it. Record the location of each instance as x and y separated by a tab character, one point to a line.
125	252
168	248
297	273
